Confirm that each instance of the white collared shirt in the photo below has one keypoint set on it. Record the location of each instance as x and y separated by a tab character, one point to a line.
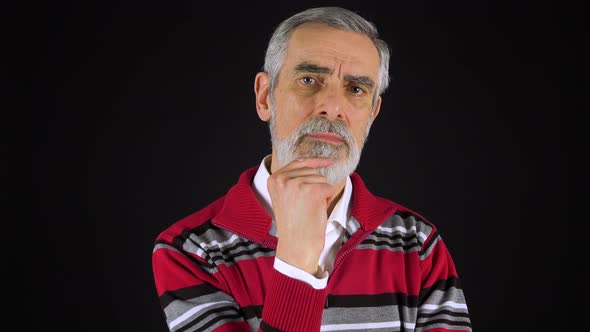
334	229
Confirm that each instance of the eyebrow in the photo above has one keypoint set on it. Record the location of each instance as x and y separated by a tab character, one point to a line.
306	67
361	80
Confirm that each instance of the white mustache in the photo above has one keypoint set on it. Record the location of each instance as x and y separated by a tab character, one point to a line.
324	125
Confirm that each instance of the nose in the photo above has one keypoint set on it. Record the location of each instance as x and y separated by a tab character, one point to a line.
332	105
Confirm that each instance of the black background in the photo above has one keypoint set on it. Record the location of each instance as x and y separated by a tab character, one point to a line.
144	113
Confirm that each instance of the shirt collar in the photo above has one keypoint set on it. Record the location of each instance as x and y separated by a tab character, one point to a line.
339	214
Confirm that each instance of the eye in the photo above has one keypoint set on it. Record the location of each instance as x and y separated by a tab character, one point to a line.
307	80
356	90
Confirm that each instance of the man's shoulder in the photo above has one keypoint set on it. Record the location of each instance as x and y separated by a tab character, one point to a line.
378	210
192	221
236	195
404	223
405	213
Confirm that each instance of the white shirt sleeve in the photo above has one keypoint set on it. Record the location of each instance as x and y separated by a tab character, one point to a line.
296	273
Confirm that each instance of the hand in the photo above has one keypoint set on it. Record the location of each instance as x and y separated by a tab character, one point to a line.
300	198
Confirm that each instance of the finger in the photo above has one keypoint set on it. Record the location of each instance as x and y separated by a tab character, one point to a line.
283	182
296	172
315	162
310	179
323	188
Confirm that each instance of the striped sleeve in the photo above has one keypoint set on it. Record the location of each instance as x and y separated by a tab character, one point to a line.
441	303
195	297
192	298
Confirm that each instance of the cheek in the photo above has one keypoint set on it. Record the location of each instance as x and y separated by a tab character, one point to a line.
290	114
359	127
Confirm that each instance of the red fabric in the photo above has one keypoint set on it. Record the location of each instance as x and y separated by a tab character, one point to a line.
289	304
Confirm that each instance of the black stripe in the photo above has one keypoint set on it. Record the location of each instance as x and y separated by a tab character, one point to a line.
267	328
166	243
205	265
216	319
204	227
375	300
444	312
186	293
243	253
406	214
228	250
409	235
444	321
252	311
391	245
200	318
411	238
182	238
443	285
198	231
179	241
430	242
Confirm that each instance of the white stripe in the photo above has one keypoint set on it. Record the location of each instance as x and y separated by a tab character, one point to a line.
403	230
218	244
451	304
199	251
361	326
191	312
353	225
409	326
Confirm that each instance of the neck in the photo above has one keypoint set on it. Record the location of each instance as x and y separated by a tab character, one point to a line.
336	198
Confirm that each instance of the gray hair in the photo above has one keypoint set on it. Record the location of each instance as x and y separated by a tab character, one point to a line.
336	17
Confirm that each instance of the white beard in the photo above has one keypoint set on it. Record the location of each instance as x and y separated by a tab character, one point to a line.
347	156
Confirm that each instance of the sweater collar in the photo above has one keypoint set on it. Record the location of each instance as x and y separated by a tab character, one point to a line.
243	214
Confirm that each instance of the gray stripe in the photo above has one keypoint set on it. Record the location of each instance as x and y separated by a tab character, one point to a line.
218	323
369	315
408	222
407	240
229	258
193	249
412	232
452	294
425	254
177	308
210	246
386	247
385	329
409	235
443	326
190	247
217	238
164	246
352	225
272	231
217	244
254	323
444	316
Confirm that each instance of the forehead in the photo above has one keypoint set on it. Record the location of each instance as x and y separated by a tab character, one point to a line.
330	47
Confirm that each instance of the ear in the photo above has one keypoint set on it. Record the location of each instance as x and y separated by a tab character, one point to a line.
377	109
262	91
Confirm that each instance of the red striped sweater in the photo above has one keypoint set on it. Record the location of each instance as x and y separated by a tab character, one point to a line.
214	270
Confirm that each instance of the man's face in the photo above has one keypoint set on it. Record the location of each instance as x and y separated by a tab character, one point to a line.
324	97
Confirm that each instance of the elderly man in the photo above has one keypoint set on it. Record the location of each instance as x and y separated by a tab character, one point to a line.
299	243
